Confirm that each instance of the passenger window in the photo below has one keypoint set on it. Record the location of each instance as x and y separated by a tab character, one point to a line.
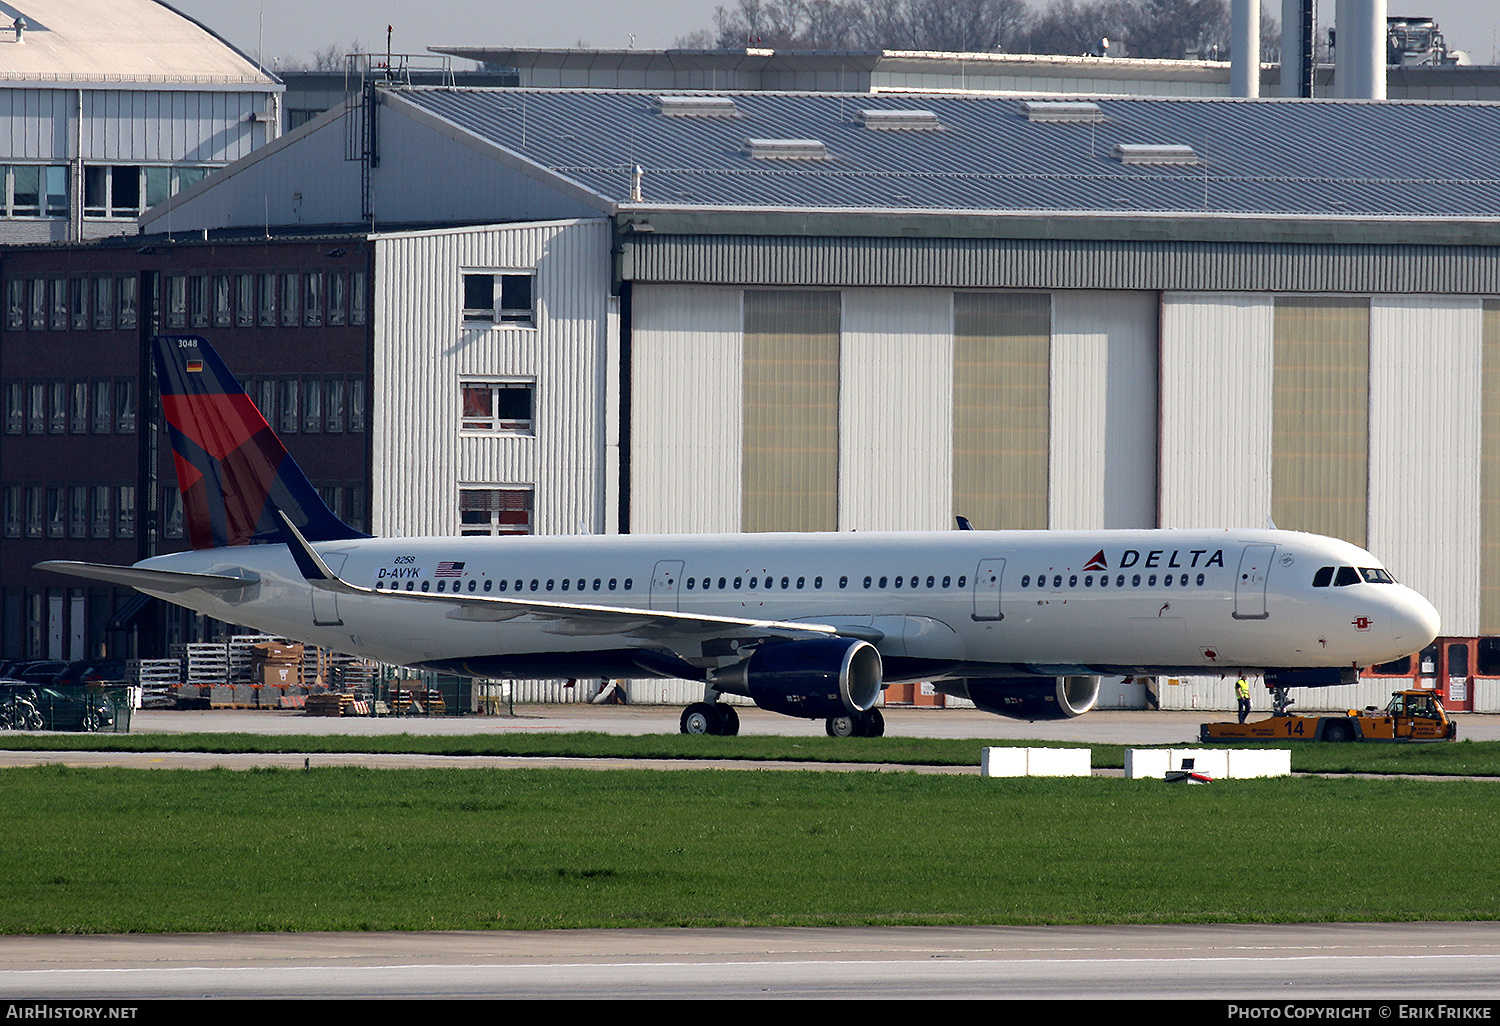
487	585
425	584
1324	577
1026	581
945	581
843	582
612	582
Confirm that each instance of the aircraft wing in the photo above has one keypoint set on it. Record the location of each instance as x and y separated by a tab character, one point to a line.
574	618
146	578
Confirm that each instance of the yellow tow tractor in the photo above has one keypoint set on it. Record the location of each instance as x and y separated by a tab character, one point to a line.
1409	716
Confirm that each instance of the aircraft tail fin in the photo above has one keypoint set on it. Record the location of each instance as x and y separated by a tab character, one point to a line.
234	472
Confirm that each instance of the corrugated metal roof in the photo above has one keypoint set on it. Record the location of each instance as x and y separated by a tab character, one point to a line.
118	41
1273	156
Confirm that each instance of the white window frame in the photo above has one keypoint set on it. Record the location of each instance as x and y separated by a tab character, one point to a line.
495	528
472	425
497	314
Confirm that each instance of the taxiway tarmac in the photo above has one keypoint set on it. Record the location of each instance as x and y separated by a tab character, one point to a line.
1380	964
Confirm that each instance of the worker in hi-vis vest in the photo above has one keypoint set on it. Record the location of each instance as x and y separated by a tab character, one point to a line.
1242	696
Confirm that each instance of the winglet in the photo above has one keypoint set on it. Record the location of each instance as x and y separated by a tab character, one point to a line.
309	563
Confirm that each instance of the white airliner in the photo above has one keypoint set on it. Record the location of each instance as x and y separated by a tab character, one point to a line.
1023	623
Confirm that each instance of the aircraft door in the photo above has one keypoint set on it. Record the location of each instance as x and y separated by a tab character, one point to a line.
665	580
1250	585
325	604
987	580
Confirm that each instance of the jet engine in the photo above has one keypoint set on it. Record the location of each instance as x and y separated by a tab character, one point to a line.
1028	698
813	679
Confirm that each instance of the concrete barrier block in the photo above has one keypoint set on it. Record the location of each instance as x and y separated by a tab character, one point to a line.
1147	763
1244	764
1002	762
1059	762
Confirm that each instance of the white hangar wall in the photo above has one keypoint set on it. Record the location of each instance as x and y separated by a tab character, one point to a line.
1094	392
425	350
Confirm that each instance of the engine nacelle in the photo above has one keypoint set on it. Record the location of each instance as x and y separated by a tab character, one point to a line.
1028	698
813	679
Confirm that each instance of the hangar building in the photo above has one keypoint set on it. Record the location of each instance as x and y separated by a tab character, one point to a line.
107	107
833	311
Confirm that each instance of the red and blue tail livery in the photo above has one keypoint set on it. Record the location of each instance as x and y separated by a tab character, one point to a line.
233	471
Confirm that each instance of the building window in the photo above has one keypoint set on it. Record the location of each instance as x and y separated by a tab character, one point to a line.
357	297
78	303
244	300
37	306
104	303
338	298
494	511
289	305
129	290
36	408
356	404
15	303
57	420
499	299
32	190
125	511
174	289
59	288
125	407
104	406
223	301
15	408
266	291
312	296
498	406
13	501
78	415
198	301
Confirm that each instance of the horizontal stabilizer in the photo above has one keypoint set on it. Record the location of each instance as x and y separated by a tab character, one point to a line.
146	579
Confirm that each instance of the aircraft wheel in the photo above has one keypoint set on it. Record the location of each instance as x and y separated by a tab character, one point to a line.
729	720
700	718
841	726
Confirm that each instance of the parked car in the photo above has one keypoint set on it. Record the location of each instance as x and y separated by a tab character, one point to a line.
73	708
95	671
37	671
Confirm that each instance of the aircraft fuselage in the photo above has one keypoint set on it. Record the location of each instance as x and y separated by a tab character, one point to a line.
936	605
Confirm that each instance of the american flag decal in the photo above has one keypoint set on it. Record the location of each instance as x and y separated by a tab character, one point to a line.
449	570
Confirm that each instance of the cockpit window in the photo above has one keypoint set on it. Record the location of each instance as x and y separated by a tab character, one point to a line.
1375	575
1346	576
1324	577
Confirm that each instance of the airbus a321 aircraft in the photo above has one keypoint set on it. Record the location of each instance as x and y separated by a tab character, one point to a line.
1023	623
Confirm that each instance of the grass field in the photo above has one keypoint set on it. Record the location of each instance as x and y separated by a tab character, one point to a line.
109	850
1462	758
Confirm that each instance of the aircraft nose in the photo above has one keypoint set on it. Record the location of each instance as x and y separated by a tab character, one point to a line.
1415	623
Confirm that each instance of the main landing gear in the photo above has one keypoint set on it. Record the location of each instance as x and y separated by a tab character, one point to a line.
710	718
722	720
866	724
